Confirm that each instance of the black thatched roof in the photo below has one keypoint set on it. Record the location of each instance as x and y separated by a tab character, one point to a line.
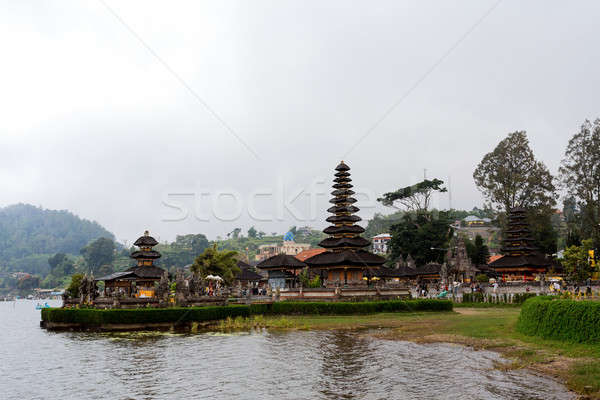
342	192
346	257
508	261
340	200
145	254
334	242
342	167
428	269
150	271
337	219
342	186
145	241
281	261
137	272
247	274
343	209
332	230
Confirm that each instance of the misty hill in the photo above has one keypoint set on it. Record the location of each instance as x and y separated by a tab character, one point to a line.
28	234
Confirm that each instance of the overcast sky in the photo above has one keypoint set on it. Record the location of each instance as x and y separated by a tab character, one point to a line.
94	121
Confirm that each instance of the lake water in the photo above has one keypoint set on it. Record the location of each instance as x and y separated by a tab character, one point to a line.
36	364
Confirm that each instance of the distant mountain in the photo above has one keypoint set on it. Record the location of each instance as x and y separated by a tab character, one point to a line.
27	232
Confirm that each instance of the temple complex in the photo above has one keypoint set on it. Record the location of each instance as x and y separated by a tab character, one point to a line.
139	280
521	260
345	261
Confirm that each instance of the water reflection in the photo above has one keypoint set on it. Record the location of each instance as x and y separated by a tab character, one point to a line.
343	370
37	364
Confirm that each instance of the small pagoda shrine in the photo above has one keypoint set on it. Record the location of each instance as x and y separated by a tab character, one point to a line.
345	261
521	260
139	280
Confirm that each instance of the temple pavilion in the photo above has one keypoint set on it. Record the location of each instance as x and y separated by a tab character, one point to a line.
521	260
345	261
138	280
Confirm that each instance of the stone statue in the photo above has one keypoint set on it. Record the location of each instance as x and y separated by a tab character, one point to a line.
181	288
195	285
83	289
91	289
162	291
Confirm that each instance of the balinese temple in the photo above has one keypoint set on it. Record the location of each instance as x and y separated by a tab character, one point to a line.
345	261
137	281
521	259
282	270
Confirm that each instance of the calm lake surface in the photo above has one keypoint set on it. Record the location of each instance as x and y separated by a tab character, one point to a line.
36	364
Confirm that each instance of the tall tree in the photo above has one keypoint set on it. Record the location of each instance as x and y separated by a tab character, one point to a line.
510	176
252	232
478	251
414	198
215	262
421	236
99	252
576	261
580	176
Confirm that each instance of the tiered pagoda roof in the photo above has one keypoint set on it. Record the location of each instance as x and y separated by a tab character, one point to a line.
145	243
345	246
518	245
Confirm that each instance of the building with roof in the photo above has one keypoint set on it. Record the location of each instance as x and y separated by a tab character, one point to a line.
380	243
138	280
306	254
282	270
521	260
288	247
345	262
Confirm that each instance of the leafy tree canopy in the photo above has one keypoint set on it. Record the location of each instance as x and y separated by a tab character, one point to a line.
421	236
99	252
215	262
510	176
415	197
580	177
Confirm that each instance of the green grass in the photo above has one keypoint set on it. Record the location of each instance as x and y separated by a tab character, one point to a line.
585	377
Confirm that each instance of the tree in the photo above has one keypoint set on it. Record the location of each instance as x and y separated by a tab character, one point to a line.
478	251
510	176
73	289
236	233
56	259
252	232
215	262
414	198
421	236
99	252
580	176
194	243
576	263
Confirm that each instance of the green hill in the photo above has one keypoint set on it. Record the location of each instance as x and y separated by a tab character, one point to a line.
29	235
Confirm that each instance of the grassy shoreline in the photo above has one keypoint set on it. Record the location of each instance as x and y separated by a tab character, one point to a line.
576	365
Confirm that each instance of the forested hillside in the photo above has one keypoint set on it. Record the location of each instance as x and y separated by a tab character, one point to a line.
29	234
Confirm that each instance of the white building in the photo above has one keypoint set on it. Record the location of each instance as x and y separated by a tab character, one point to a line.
380	243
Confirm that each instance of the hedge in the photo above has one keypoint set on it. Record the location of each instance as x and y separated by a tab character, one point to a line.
97	317
568	320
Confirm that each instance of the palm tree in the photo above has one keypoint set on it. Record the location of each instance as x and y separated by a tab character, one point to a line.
215	262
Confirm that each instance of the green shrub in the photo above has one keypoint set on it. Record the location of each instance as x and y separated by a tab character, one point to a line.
568	320
94	317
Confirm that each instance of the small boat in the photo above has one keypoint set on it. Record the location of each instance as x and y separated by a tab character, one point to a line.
39	306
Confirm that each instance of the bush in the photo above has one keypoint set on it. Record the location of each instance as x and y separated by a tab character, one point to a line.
568	320
482	278
95	317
